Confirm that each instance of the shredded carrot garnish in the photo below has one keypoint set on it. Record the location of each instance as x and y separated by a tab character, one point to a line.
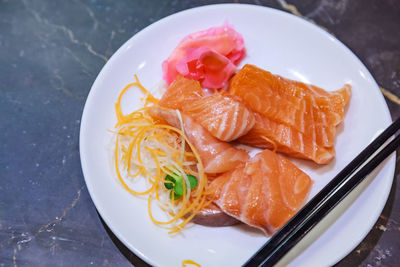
147	150
186	262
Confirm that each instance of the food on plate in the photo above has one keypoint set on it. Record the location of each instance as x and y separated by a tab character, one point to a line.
217	156
223	115
179	144
206	65
267	133
293	117
213	216
187	263
208	56
160	156
180	93
265	192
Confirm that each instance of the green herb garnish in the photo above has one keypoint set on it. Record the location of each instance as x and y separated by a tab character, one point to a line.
175	184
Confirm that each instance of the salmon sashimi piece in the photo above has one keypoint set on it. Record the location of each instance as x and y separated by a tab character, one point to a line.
283	100
181	92
223	115
330	102
267	133
264	93
265	192
324	111
217	156
291	109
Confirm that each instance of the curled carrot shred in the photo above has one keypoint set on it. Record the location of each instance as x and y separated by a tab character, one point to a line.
186	262
148	150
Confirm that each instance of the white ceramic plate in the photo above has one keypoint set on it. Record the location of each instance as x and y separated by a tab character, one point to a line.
285	45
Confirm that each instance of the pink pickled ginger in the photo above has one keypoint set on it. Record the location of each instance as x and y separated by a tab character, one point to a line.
209	56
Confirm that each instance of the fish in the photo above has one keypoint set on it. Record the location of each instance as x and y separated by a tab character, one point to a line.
217	156
264	192
181	92
270	134
294	118
222	115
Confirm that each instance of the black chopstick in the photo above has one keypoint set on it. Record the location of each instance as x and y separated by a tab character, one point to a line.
322	203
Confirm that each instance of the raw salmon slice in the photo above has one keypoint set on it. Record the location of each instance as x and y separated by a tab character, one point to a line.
267	133
299	119
217	156
264	193
181	92
224	116
283	100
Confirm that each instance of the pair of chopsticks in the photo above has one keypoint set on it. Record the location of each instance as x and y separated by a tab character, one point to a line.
320	205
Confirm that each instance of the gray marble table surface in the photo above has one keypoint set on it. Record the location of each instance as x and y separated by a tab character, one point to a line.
51	53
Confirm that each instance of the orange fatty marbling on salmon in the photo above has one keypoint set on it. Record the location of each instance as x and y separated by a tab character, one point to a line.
292	117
